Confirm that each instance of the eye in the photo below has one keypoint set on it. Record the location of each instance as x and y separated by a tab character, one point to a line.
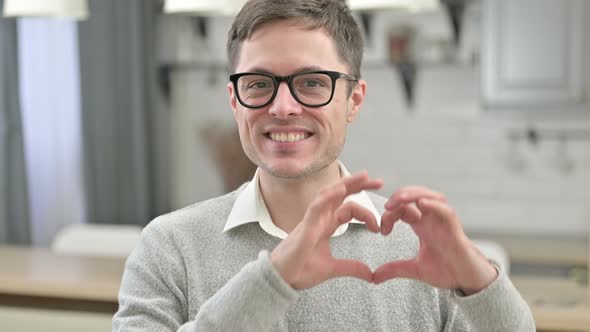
311	83
258	85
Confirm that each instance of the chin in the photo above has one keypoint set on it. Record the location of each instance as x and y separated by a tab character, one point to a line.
291	169
286	171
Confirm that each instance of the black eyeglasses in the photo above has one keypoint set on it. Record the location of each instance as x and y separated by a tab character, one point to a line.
311	89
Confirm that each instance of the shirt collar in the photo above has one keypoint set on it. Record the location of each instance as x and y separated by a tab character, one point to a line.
250	207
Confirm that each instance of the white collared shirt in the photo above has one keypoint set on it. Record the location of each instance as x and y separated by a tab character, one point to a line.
250	207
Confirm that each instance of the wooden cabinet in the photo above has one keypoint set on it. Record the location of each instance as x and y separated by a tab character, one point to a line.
535	54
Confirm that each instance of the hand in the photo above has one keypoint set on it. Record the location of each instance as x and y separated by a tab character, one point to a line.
446	258
304	259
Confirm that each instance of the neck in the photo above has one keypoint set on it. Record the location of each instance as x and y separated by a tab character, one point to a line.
288	199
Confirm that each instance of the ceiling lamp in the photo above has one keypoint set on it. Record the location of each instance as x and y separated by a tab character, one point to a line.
204	7
77	9
411	5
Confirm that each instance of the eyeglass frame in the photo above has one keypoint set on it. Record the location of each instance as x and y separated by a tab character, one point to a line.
334	75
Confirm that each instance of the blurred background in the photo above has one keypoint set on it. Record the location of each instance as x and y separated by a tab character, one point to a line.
115	112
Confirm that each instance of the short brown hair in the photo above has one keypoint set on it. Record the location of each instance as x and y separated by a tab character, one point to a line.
333	16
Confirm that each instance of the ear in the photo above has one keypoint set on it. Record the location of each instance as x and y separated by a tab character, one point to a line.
356	99
232	98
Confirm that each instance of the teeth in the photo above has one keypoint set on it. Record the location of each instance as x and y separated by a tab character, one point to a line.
287	137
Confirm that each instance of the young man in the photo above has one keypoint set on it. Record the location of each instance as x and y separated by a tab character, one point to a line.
296	88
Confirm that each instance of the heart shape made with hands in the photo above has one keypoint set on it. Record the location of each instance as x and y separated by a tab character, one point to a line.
446	257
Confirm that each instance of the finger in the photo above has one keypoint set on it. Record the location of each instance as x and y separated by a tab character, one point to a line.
408	196
412	214
352	184
397	269
408	213
360	181
389	218
328	198
442	211
333	196
349	210
412	194
351	268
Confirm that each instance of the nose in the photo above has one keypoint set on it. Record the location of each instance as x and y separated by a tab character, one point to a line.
284	105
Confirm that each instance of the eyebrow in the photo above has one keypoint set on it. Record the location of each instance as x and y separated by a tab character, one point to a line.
300	70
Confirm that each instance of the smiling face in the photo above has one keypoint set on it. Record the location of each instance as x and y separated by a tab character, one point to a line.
285	138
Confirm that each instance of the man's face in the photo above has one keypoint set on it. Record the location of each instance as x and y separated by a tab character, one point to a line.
285	48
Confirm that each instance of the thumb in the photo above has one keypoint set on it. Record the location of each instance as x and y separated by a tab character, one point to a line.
397	269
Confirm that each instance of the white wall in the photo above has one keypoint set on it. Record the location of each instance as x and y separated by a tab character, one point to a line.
447	142
454	146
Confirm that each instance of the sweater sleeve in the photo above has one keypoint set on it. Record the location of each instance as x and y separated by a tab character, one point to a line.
498	307
153	293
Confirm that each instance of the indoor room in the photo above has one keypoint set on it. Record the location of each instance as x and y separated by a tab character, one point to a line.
114	113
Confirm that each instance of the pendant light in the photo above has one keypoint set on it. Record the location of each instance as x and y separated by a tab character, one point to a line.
77	9
411	5
203	7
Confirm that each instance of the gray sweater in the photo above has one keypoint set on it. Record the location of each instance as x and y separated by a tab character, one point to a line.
187	275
